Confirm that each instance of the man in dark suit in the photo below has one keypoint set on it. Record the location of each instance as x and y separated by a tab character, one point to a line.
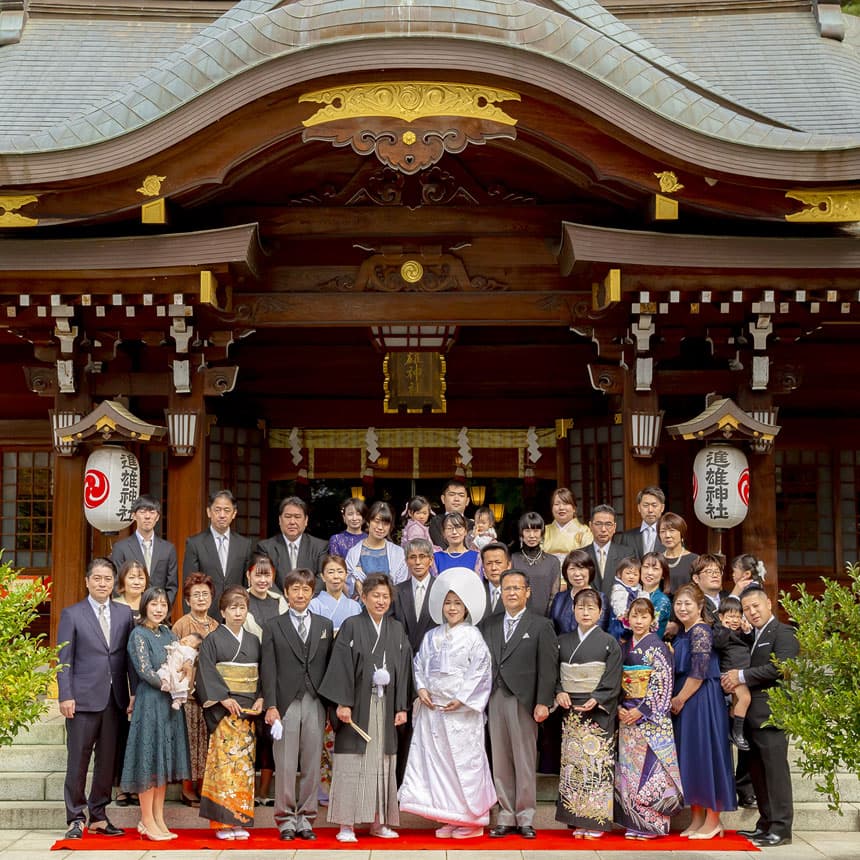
293	547
94	696
455	499
650	502
768	755
495	559
605	550
416	620
145	547
524	650
218	551
707	573
295	653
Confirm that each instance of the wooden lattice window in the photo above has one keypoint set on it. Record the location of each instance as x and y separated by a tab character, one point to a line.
597	468
804	508
235	464
27	487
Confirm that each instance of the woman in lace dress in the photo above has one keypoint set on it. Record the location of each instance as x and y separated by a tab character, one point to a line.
157	750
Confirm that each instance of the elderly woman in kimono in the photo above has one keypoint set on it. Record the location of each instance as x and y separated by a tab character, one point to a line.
368	678
589	686
647	780
228	688
447	776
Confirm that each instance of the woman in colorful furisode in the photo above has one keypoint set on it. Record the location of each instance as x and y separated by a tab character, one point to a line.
648	788
198	591
701	721
447	776
368	677
589	686
228	687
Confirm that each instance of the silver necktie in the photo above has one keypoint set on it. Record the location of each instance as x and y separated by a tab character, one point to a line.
294	555
147	554
419	599
510	623
601	559
222	553
303	627
104	623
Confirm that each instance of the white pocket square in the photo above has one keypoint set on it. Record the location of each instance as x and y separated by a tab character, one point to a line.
324	634
762	644
526	636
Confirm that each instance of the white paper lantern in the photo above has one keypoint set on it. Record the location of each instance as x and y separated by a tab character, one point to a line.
111	484
721	486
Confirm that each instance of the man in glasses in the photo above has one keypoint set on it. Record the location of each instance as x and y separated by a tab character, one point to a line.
524	649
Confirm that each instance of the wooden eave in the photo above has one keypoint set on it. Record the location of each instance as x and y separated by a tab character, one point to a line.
651	133
110	420
582	244
163	254
722	419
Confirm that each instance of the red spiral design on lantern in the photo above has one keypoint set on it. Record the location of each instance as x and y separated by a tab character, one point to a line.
96	488
695	486
744	487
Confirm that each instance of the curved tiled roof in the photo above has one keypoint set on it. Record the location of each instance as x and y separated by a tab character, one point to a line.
581	35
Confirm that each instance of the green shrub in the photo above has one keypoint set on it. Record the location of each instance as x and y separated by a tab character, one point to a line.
27	665
819	702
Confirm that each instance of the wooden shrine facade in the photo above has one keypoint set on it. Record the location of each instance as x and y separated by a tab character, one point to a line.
528	241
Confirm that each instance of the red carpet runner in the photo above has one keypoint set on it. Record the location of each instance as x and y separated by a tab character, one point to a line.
410	840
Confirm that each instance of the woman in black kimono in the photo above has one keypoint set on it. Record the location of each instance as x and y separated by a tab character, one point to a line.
368	678
228	688
589	687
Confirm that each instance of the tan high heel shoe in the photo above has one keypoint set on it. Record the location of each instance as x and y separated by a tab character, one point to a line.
717	831
153	837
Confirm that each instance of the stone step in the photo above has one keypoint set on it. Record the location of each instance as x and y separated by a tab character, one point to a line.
51	730
50	815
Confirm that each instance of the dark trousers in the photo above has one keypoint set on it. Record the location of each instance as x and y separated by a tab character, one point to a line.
771	778
91	731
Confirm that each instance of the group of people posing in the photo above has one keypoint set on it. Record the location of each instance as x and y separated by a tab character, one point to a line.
427	676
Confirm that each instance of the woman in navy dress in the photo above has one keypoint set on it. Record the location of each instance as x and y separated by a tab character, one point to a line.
700	718
579	571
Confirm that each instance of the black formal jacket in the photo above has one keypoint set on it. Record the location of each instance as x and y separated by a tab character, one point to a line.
776	639
164	569
403	609
527	664
311	552
286	662
201	556
617	551
500	607
633	539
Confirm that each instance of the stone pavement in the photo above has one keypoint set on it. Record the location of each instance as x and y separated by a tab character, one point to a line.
807	845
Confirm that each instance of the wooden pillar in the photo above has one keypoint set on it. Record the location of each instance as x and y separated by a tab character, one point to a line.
758	530
69	555
186	483
639	472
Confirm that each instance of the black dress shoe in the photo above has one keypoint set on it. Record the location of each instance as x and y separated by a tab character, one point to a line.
771	840
76	830
738	739
502	830
287	835
752	834
307	833
747	801
107	830
527	831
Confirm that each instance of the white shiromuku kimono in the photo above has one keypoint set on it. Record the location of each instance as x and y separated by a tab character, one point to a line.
447	775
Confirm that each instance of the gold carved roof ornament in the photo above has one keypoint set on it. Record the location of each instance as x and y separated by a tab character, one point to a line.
9	206
409	124
111	421
823	205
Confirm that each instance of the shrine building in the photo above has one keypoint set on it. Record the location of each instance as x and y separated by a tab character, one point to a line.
360	246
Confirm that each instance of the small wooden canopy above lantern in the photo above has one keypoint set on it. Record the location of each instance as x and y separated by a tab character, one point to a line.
724	420
110	421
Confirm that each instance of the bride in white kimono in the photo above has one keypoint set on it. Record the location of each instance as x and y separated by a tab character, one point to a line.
447	776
